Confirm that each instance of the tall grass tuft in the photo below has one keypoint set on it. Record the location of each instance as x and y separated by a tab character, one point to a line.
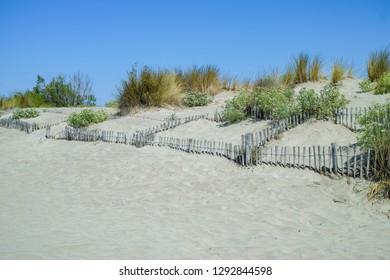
338	72
315	68
301	64
288	78
272	80
378	63
204	79
149	88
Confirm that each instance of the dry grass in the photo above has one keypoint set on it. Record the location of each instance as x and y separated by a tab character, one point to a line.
315	68
204	79
380	189
338	72
378	63
301	64
149	88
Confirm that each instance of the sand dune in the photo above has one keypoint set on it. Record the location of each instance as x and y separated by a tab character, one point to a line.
77	200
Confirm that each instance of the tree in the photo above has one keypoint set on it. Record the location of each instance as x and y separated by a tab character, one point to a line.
81	84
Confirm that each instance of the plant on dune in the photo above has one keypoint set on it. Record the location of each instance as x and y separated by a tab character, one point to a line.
330	99
193	99
272	80
338	72
235	109
230	83
351	70
315	68
87	117
288	78
112	104
378	64
366	85
301	64
148	88
25	114
201	79
376	136
383	84
308	101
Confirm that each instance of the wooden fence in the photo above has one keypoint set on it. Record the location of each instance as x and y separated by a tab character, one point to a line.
25	126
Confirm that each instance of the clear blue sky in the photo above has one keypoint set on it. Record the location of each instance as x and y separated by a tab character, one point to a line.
245	38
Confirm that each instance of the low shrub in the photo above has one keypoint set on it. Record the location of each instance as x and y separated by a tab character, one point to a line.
383	84
235	109
25	113
308	101
330	99
194	99
366	85
86	117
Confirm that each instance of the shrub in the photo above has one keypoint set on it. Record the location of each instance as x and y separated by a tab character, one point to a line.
383	84
149	88
376	136
338	72
235	109
308	101
86	117
378	63
25	114
330	99
193	99
366	85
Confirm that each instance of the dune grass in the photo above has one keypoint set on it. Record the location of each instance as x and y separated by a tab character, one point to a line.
149	88
378	64
301	64
338	72
303	69
204	79
315	68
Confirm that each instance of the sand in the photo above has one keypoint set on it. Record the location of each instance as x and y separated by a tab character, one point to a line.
76	200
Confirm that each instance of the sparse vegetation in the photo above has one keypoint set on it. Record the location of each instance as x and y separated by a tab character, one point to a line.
112	104
301	64
272	80
86	117
315	68
204	79
378	64
25	113
330	99
193	99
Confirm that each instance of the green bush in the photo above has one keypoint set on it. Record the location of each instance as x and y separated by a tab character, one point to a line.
376	136
366	85
112	104
235	109
193	99
308	101
330	99
25	114
383	84
86	117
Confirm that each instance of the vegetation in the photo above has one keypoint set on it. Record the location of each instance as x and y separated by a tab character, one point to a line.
315	68
204	79
269	81
376	136
58	93
378	64
366	85
383	84
281	103
149	88
86	117
18	114
193	99
112	104
338	72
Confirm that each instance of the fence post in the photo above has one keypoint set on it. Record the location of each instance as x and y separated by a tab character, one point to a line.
334	157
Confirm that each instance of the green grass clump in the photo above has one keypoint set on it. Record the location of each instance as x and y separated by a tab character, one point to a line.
25	114
330	99
204	79
194	99
383	84
366	85
87	117
303	69
378	64
338	72
272	80
149	88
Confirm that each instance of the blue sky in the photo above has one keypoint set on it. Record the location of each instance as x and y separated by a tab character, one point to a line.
243	38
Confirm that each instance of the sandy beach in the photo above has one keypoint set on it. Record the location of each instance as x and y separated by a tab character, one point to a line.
93	200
